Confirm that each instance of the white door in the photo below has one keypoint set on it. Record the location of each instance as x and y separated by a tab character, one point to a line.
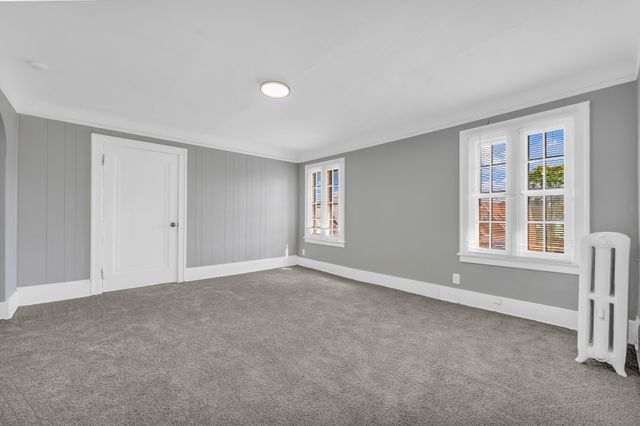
140	210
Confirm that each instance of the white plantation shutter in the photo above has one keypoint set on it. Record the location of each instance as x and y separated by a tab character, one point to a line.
546	191
316	202
492	201
333	201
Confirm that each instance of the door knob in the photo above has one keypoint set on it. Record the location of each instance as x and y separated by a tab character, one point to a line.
173	224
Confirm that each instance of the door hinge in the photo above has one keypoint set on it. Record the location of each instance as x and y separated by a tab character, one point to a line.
103	159
102	273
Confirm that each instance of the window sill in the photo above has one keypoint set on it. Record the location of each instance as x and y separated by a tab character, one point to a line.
331	243
521	262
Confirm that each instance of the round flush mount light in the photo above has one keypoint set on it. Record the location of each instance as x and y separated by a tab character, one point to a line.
274	89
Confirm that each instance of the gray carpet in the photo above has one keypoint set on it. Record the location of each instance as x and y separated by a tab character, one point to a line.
295	347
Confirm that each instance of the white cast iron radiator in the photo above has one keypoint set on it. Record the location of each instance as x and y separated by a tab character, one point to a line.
603	299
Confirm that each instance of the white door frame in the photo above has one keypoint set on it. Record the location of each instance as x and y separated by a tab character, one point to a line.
98	142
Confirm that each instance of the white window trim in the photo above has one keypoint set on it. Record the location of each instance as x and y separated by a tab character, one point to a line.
324	239
576	172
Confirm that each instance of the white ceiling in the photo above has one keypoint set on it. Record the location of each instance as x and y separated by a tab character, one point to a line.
361	72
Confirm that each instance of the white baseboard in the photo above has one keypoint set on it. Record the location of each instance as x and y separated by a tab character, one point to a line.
9	306
561	317
45	293
33	295
225	269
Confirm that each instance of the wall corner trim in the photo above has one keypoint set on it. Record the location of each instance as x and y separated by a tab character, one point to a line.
226	269
9	306
553	315
634	328
44	293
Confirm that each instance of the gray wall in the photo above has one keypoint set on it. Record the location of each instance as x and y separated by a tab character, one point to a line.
8	194
239	207
402	205
3	173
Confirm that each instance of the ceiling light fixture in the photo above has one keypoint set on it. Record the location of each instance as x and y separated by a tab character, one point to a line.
274	89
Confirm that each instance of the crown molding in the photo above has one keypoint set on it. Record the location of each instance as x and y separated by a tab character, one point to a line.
155	133
465	117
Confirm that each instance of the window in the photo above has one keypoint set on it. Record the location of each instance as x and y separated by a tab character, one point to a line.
324	203
492	204
524	191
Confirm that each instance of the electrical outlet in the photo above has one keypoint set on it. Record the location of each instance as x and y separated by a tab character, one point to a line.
456	279
303	252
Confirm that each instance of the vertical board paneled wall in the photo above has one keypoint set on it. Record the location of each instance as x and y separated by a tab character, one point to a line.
239	207
54	173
